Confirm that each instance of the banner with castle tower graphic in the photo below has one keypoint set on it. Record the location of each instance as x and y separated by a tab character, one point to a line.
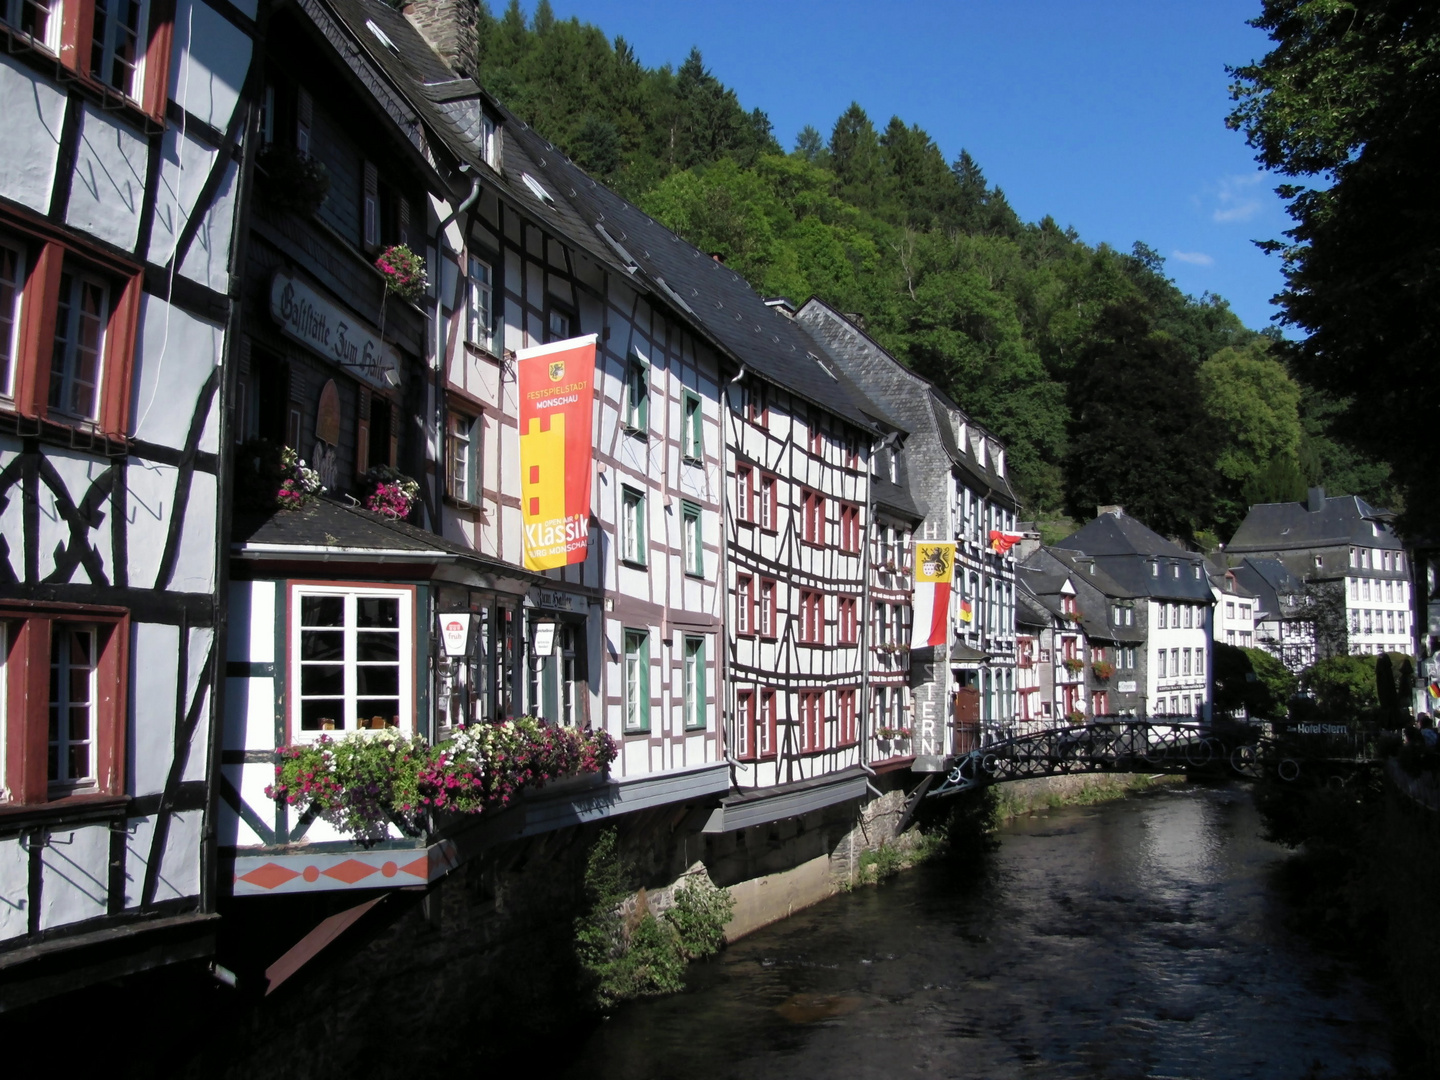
557	395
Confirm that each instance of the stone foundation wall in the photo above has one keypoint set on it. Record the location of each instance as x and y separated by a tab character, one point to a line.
484	961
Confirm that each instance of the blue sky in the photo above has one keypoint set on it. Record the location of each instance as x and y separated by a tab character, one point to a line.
1107	115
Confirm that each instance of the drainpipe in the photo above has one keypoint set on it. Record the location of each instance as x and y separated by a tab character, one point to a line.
727	710
865	601
438	372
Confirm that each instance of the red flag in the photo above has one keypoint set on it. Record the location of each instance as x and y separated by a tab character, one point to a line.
1001	542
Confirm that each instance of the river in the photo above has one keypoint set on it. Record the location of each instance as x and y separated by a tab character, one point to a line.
1141	938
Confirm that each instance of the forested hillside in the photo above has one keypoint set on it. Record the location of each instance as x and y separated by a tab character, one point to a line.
1108	383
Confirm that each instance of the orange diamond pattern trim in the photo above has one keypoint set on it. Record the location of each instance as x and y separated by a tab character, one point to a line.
270	876
351	871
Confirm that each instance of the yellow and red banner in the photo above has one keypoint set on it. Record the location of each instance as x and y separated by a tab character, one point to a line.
557	406
1001	542
934	567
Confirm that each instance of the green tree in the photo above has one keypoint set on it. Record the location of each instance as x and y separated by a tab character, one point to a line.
1348	103
1255	408
1344	687
1139	432
1253	680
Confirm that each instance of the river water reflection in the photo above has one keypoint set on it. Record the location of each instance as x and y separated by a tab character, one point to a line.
1136	939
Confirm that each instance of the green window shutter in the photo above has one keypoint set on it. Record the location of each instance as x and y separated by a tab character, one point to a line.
644	682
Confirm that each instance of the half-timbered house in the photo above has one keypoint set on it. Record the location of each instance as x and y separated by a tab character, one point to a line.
119	181
957	483
627	641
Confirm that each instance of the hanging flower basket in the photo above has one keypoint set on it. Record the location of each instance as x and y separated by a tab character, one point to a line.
1074	665
270	477
292	181
390	492
362	782
404	272
1103	669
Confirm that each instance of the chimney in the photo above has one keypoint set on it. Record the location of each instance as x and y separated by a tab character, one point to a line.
1316	500
448	26
1113	511
1029	542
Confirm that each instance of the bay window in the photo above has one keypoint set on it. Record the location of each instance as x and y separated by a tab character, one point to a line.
351	659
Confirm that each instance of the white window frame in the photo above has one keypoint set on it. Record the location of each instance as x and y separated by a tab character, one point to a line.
632	526
637	395
694	539
636	718
107	47
68	380
694	426
352	594
480	304
693	663
488	142
10	318
460	461
12	12
59	781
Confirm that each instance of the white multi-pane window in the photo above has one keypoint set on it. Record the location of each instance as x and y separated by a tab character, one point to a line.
72	706
767	503
637	680
351	654
461	467
75	367
117	46
479	305
694	540
632	526
694	682
39	19
12	281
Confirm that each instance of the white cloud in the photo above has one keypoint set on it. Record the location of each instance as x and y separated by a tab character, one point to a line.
1236	198
1194	258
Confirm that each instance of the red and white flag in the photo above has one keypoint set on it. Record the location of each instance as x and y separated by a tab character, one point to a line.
934	568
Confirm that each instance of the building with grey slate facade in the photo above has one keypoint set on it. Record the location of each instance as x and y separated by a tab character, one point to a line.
1351	567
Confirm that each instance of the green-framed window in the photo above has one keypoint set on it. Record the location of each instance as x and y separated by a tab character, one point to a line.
694	427
695	706
694	539
637	681
637	395
632	526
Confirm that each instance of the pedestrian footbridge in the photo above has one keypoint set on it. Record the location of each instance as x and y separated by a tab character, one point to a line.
1322	753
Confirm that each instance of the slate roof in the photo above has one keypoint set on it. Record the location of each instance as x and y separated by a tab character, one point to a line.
330	524
843	342
1341	520
1029	611
1120	534
718	300
1127	551
452	107
1268	580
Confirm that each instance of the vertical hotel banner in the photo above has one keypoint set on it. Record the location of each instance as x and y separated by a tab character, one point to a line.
557	398
934	567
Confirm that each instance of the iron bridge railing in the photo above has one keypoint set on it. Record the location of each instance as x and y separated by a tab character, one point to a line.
1329	752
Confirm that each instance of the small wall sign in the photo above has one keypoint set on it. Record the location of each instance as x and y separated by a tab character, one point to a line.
454	632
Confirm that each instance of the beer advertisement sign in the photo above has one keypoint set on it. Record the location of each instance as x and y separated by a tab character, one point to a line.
557	395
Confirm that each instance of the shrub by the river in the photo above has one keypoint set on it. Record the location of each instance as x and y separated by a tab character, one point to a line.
641	956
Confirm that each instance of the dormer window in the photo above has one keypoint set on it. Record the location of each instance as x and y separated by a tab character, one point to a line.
489	143
1154	569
